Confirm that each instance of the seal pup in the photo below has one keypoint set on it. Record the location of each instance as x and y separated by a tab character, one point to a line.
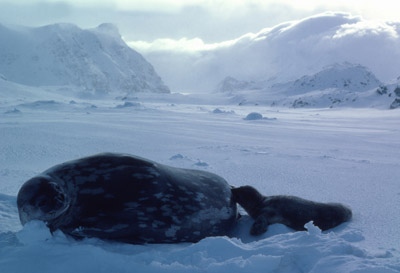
291	211
129	199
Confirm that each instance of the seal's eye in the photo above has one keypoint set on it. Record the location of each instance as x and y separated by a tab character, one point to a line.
61	197
41	202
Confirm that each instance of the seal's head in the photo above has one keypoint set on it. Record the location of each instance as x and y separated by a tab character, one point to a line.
40	198
249	198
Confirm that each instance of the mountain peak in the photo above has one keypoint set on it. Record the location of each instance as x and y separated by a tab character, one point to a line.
344	76
109	29
93	60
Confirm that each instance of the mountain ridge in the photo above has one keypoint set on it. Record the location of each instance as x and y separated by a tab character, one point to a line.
95	60
339	84
344	76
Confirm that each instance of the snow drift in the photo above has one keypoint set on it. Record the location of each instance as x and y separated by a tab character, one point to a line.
309	251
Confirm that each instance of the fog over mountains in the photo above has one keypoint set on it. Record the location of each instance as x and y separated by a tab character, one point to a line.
327	60
95	60
282	53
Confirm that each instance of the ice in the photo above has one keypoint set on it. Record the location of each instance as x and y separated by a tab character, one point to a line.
328	155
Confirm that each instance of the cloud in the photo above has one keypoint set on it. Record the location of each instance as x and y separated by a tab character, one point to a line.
25	13
211	20
209	39
293	30
38	13
195	45
367	28
285	51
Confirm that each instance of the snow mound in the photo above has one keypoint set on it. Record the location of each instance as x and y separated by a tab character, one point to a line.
253	116
95	60
14	111
220	111
46	104
257	116
201	163
34	249
128	104
177	156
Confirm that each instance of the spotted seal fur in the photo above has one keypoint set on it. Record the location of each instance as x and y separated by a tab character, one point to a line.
129	199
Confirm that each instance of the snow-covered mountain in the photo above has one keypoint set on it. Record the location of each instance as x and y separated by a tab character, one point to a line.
390	92
340	85
95	60
344	76
286	51
344	84
231	85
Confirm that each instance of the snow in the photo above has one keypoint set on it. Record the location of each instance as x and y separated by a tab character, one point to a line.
284	52
343	76
277	134
308	251
96	61
253	116
328	155
337	85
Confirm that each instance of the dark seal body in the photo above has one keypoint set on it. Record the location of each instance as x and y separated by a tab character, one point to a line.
291	211
129	199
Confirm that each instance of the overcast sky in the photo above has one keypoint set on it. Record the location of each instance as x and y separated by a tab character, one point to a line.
210	21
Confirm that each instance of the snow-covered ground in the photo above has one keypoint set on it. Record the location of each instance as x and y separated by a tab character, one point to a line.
329	155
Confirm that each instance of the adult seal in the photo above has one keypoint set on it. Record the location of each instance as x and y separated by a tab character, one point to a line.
129	199
291	211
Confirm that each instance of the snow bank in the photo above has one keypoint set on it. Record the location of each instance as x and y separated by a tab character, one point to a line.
34	249
128	104
253	116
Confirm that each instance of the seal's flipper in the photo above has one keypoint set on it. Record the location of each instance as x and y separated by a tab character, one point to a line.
260	225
